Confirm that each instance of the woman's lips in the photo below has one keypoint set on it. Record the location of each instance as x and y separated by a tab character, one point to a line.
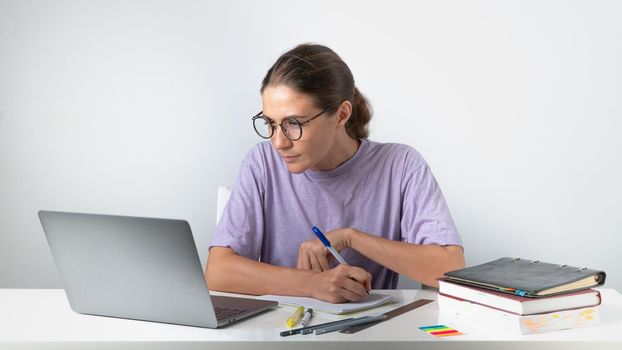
289	159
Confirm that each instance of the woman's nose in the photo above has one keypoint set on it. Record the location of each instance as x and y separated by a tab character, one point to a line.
279	140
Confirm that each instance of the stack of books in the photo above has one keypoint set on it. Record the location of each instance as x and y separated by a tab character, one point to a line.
517	296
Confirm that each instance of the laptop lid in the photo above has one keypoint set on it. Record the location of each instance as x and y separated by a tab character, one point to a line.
136	268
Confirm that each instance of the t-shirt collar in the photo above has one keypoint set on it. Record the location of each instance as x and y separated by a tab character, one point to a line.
345	166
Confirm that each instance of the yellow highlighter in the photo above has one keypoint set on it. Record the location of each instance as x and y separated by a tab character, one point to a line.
293	320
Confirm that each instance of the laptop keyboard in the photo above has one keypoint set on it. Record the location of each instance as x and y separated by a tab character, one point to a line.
225	312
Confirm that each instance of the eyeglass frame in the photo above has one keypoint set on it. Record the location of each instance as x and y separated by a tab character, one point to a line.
292	120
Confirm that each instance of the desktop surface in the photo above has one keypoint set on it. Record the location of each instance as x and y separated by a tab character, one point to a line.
32	318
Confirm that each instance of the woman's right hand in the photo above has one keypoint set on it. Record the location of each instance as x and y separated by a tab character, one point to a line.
340	284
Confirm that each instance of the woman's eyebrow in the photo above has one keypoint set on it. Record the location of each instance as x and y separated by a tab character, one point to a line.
287	116
295	116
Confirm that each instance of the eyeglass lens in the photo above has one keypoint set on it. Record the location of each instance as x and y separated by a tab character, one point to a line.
265	128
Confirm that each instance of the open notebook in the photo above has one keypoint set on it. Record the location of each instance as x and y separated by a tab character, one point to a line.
366	302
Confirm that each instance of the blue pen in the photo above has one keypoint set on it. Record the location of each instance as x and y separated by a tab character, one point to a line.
326	243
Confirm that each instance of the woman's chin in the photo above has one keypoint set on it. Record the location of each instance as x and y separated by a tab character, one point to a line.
296	168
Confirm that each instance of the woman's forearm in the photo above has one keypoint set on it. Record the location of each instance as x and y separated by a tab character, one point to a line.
423	263
229	272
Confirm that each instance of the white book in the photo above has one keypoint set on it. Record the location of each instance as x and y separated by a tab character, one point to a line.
473	318
366	302
518	304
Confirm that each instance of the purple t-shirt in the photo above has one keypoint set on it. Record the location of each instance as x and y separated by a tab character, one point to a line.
386	190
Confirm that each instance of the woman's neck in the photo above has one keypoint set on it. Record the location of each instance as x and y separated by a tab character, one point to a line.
343	149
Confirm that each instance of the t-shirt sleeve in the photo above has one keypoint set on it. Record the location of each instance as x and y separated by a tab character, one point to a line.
242	222
425	216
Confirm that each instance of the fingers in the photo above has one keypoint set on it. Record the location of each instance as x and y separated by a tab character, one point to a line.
356	273
323	259
303	261
340	284
361	279
368	282
315	263
313	255
352	290
319	262
348	295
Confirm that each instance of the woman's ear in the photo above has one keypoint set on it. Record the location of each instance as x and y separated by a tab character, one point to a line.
344	113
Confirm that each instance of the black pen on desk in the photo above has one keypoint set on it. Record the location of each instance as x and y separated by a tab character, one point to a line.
307	330
350	323
306	318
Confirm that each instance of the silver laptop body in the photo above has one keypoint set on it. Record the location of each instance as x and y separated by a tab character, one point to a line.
137	268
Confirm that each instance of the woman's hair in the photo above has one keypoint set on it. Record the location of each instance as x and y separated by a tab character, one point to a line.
317	71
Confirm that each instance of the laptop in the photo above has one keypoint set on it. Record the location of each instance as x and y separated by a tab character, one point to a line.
137	268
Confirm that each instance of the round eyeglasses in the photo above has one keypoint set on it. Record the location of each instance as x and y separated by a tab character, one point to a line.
291	127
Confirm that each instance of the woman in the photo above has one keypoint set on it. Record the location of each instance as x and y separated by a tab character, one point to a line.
378	204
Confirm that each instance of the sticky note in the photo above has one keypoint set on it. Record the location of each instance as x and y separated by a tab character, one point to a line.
440	330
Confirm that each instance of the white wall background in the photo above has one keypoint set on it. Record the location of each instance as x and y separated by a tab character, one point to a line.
143	108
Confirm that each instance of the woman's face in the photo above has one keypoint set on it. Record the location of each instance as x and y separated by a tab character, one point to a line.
312	150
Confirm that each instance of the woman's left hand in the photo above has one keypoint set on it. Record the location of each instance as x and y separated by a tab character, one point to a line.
313	255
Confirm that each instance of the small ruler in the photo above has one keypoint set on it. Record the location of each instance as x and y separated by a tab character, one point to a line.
390	314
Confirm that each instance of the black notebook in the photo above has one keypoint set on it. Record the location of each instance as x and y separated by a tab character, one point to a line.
529	278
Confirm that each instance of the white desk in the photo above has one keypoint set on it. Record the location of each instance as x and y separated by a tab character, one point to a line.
42	318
